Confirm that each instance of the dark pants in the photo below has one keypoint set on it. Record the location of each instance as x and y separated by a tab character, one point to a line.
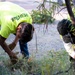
24	49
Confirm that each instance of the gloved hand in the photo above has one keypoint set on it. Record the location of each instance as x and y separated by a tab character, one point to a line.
12	46
13	58
67	39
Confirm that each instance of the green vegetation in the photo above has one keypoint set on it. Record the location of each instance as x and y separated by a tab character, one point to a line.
39	17
44	14
45	11
54	63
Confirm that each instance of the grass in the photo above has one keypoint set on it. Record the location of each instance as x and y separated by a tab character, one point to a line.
55	63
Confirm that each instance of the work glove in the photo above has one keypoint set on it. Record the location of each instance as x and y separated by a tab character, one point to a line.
12	46
13	58
67	39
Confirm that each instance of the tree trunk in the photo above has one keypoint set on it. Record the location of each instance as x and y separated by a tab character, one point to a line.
69	9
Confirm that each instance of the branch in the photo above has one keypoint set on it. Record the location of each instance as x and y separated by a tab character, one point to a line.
60	10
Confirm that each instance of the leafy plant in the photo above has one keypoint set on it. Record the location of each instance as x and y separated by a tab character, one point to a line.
40	18
54	63
44	14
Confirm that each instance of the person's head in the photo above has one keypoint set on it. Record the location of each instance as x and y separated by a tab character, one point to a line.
63	27
26	32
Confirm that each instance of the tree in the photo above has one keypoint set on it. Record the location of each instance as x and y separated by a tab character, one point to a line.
69	9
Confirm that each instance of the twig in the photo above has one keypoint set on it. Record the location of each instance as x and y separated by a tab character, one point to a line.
36	41
60	10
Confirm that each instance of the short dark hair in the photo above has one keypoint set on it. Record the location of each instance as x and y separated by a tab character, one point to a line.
63	27
27	33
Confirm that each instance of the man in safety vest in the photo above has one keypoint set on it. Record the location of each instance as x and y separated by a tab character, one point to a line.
15	20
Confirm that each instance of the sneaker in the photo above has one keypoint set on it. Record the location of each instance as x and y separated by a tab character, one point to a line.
29	60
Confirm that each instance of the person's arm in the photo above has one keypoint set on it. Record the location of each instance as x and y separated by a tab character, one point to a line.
69	46
7	49
13	44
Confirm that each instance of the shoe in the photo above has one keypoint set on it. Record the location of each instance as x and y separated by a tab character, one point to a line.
29	60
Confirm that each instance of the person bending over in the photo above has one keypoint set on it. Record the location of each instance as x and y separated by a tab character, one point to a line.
15	20
67	32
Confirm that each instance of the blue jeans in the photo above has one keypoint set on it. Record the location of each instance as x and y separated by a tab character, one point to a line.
24	49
